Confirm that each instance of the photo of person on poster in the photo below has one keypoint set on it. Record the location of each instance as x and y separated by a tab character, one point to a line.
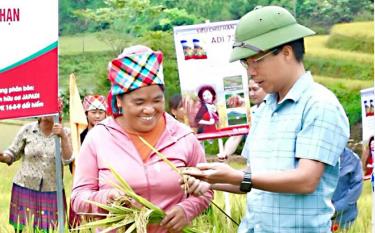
207	115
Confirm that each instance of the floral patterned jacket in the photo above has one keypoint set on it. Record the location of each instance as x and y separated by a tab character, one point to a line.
37	152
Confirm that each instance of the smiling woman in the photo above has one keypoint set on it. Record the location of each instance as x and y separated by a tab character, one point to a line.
137	103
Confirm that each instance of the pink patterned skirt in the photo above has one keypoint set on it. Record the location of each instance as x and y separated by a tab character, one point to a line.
33	208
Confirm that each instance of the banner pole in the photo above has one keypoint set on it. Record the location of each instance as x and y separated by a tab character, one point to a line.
226	194
59	184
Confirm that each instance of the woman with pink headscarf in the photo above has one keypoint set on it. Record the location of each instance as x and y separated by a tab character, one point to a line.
136	100
95	107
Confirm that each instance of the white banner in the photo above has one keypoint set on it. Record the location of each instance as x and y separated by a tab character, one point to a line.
368	130
368	118
203	64
29	26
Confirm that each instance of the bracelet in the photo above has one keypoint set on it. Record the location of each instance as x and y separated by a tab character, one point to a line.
68	161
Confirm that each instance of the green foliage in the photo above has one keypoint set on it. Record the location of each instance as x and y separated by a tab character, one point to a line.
329	12
350	99
131	17
353	37
174	17
70	23
89	68
326	66
94	15
163	41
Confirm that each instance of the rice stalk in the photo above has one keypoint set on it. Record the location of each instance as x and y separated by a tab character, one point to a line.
128	219
166	160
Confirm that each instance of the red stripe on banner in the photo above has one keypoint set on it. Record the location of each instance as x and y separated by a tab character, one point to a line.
30	89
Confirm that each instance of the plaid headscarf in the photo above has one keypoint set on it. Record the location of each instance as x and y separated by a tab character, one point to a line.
138	66
92	102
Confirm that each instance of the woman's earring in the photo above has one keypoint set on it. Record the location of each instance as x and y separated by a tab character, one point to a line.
119	108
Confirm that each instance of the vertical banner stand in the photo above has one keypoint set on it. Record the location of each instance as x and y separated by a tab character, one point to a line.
226	194
59	185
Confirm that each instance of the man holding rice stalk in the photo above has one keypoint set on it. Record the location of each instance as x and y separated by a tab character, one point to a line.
123	147
295	139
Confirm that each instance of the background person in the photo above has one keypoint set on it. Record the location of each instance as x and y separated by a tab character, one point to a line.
137	102
34	185
95	107
176	108
347	191
256	96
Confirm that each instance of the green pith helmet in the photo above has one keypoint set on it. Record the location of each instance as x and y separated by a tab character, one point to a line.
265	28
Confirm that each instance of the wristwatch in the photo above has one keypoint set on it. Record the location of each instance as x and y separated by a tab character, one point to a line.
246	183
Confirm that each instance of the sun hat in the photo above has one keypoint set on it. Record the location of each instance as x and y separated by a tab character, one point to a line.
265	28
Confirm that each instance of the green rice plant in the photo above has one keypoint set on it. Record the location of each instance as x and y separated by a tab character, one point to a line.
127	219
358	36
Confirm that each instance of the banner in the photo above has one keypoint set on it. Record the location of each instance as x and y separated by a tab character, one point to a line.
368	131
368	118
209	83
28	58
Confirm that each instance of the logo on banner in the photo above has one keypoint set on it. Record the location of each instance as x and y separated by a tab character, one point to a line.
9	15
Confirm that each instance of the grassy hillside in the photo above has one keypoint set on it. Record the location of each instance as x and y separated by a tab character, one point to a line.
358	36
82	43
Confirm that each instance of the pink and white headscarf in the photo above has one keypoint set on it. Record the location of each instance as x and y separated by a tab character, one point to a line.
92	102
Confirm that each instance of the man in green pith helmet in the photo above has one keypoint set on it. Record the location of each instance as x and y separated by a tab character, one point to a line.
295	139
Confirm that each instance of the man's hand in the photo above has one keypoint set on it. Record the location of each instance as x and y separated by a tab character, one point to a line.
175	219
216	173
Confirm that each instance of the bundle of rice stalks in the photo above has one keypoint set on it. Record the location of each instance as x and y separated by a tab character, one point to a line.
125	217
170	164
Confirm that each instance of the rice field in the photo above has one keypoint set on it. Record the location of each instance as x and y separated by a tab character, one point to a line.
211	221
315	46
355	29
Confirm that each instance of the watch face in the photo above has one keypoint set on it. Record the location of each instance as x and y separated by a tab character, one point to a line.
245	187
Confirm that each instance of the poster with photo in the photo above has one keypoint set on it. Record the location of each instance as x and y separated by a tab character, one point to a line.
368	118
215	92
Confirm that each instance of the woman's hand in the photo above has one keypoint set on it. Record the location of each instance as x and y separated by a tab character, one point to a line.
4	158
58	130
115	195
175	219
196	187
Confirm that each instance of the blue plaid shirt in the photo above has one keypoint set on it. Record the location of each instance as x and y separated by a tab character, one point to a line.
309	123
